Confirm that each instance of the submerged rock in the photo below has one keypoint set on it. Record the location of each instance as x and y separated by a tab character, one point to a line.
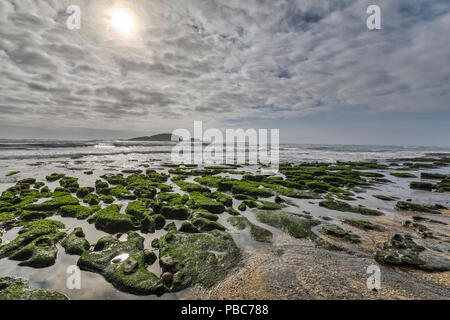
257	233
298	226
124	264
35	246
17	289
337	232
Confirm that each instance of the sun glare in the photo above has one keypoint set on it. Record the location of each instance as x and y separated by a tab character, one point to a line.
122	21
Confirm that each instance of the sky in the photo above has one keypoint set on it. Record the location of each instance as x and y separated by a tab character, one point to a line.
310	68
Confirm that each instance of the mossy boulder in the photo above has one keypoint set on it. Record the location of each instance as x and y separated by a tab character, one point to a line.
345	207
83	192
421	185
188	227
69	183
205	225
201	201
402	251
40	252
174	213
77	211
46	231
111	220
76	243
257	233
363	225
410	206
337	232
54	177
17	289
206	214
296	225
201	258
92	199
53	204
122	261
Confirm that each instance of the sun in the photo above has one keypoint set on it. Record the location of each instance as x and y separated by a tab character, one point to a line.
122	21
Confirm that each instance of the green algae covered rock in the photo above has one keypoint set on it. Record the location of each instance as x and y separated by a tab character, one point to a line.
337	232
17	289
421	185
111	220
53	204
54	177
200	258
35	242
345	207
402	251
298	226
257	233
40	252
363	225
410	206
201	201
188	227
77	211
76	243
121	260
204	225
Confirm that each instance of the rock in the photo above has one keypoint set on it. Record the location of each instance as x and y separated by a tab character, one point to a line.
188	228
337	232
149	257
128	274
203	258
203	225
17	289
75	243
167	277
402	251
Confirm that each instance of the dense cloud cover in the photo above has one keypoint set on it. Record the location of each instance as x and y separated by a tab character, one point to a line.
224	62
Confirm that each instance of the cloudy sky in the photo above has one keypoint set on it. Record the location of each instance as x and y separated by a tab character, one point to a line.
308	67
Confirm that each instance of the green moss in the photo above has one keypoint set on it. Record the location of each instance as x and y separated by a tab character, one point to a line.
337	232
69	183
363	225
432	176
209	181
5	217
40	252
250	189
409	206
76	211
12	173
242	207
191	187
107	199
111	220
175	213
76	243
92	199
402	251
33	215
267	205
83	192
257	233
17	289
54	204
54	177
345	207
203	258
206	214
295	225
226	200
202	202
205	225
188	227
129	275
384	198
